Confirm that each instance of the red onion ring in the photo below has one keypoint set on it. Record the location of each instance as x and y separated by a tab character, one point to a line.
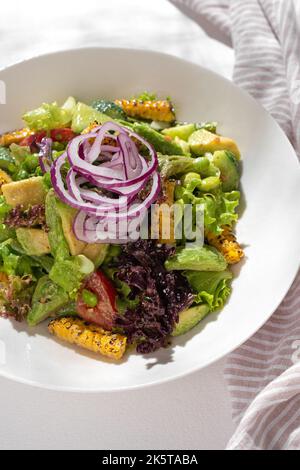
119	169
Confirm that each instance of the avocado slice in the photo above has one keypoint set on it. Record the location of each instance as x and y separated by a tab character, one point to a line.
197	258
203	141
96	252
29	192
228	166
183	132
58	243
189	318
161	143
67	215
34	241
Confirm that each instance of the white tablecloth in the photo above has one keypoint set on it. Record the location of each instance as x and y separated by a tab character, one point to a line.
191	413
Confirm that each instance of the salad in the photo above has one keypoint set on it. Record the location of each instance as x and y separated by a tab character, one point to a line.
79	185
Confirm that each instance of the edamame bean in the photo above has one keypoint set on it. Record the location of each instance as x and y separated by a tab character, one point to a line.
213	170
201	164
22	175
89	298
189	178
210	183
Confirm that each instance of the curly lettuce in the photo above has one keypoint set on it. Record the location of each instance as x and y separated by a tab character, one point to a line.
125	300
7	162
210	288
15	262
219	208
15	296
47	299
5	232
48	116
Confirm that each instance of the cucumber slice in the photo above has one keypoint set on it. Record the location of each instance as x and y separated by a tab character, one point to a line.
85	115
228	166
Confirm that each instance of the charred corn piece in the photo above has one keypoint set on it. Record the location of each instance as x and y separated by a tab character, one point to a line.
4	178
155	110
14	137
89	336
227	244
90	128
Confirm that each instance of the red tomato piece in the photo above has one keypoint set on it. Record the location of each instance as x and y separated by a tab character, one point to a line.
63	135
105	312
33	139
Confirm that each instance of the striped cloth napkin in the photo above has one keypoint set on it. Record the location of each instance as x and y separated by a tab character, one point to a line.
263	375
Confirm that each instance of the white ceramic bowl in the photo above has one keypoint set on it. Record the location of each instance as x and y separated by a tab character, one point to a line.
269	228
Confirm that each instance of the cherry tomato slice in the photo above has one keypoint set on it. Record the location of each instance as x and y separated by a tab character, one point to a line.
105	312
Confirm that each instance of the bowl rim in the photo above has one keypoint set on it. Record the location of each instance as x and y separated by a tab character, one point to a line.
292	275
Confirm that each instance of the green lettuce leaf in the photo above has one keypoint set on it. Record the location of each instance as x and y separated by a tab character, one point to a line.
9	261
15	262
124	298
7	162
5	232
48	116
15	296
69	273
48	297
219	208
211	288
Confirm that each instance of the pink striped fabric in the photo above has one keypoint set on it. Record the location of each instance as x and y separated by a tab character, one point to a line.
263	375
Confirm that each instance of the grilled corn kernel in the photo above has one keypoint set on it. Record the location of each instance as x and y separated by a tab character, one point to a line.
155	110
15	137
227	244
89	336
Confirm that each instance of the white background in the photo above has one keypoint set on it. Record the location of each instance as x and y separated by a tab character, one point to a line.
191	413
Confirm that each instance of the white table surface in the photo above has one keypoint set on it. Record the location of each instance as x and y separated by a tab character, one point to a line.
191	413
